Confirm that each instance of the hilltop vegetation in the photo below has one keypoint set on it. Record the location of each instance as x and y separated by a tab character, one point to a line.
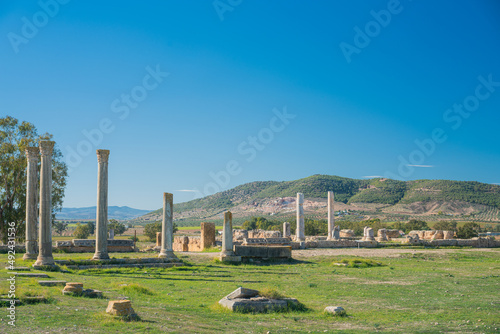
383	191
468	198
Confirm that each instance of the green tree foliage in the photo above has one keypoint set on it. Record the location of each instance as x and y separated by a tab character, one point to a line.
119	228
399	226
151	229
315	227
60	227
358	227
261	223
91	227
81	231
377	191
416	225
445	225
444	190
469	230
15	136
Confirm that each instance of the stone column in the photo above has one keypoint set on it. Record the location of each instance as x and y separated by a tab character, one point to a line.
336	233
31	202
167	228
111	234
331	216
207	235
227	253
301	237
286	230
101	242
45	230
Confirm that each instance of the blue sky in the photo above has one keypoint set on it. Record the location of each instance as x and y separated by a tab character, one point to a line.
194	97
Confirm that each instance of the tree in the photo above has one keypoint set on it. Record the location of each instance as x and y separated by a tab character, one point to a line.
315	227
416	225
15	136
81	231
119	228
469	230
445	225
60	227
91	227
151	229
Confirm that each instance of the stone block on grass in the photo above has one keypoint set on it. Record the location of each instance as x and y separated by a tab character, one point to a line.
121	308
335	310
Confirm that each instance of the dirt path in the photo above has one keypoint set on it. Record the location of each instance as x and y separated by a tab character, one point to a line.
364	252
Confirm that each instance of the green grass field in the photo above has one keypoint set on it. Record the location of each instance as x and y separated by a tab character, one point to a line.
418	291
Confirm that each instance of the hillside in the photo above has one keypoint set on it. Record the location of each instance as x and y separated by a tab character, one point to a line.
382	198
114	212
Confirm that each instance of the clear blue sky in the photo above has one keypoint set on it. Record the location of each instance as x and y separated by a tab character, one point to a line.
358	92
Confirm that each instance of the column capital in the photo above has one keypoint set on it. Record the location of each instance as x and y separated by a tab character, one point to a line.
32	153
102	155
46	147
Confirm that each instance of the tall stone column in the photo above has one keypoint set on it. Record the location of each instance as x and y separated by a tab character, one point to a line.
167	228
45	229
31	202
331	216
301	237
227	254
101	243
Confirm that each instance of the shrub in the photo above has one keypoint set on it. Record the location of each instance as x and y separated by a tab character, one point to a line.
151	229
469	230
81	231
445	226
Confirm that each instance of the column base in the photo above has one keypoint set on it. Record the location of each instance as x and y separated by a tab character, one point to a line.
302	244
167	254
44	262
30	256
229	257
100	256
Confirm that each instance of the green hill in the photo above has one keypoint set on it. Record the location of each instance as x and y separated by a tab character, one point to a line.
381	191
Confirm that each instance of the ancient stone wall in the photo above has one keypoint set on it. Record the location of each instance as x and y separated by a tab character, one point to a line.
393	233
433	234
88	245
187	244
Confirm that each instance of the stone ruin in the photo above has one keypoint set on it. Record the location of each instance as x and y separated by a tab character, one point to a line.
240	234
368	234
480	242
249	301
393	233
433	234
335	310
227	253
76	289
382	235
121	308
266	242
194	243
347	233
88	245
101	244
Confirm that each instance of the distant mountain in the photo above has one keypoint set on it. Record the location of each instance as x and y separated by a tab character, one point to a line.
114	212
372	198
